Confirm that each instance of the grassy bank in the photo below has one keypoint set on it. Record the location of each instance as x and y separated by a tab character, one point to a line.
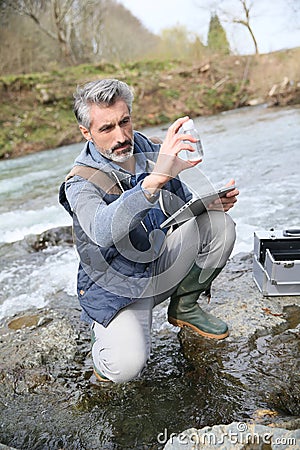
36	109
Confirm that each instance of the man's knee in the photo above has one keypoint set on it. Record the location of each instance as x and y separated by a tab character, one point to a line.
219	237
129	368
229	233
121	350
224	236
122	365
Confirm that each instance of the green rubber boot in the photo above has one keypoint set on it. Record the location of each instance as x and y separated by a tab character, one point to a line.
184	310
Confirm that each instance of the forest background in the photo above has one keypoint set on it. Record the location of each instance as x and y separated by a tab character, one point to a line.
51	46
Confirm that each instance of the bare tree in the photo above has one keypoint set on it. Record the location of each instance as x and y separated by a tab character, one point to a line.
120	37
42	35
64	15
224	10
247	5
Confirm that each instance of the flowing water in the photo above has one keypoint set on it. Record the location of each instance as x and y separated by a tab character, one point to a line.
259	147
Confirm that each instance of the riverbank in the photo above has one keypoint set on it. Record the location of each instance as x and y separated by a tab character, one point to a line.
36	109
50	398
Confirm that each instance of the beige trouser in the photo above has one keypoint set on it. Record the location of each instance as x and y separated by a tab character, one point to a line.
121	350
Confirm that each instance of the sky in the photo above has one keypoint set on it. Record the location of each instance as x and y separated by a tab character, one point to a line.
274	24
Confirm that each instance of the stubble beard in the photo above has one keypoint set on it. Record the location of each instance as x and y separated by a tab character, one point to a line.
120	156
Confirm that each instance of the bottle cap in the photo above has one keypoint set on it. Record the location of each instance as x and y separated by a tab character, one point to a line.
188	125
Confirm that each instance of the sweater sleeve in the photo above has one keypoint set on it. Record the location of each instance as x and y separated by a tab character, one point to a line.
106	224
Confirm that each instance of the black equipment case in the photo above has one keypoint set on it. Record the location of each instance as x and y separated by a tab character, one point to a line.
276	262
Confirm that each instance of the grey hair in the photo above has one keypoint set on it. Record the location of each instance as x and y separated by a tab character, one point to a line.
106	92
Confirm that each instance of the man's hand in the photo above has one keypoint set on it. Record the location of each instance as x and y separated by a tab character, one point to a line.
169	164
227	202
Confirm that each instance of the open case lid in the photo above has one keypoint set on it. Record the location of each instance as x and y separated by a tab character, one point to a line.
283	243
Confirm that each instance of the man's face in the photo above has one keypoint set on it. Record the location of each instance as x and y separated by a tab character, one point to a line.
111	131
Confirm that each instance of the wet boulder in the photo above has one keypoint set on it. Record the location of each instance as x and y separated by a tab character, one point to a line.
35	347
52	237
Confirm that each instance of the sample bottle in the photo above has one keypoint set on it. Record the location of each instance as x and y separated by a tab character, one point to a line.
189	128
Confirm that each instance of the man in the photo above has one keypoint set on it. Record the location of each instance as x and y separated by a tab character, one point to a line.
120	190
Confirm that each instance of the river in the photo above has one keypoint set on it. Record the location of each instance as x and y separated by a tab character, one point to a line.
259	147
